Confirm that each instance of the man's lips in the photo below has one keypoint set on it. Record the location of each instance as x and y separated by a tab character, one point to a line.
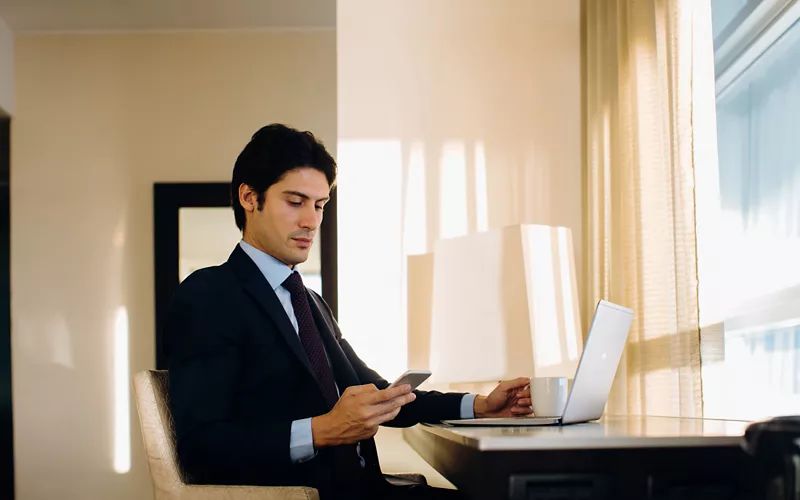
303	242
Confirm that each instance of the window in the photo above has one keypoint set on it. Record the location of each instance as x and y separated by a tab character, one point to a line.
757	57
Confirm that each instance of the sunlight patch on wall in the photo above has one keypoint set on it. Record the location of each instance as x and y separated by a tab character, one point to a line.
414	223
453	194
370	252
481	196
122	422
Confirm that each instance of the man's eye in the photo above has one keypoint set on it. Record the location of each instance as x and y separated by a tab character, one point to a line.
295	203
319	208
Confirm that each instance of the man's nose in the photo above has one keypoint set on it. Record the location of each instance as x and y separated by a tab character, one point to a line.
311	219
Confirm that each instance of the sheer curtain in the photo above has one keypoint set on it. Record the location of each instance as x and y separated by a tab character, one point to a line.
642	116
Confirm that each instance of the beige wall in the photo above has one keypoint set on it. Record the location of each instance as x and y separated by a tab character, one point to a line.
6	68
454	116
98	120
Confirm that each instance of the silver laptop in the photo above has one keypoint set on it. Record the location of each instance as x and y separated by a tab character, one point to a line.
593	379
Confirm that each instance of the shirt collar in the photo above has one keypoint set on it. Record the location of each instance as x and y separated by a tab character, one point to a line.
273	270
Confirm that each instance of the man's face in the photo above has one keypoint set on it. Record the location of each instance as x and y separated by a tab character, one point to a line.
286	226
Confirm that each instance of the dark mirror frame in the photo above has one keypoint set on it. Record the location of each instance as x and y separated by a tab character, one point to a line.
169	198
6	411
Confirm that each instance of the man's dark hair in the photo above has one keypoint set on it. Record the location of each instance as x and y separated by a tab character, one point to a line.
271	152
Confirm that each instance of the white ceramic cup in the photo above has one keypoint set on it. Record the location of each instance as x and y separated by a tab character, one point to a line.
549	396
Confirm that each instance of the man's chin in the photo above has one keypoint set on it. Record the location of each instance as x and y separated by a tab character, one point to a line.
298	257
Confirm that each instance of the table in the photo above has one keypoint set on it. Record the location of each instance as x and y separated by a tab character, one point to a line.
616	457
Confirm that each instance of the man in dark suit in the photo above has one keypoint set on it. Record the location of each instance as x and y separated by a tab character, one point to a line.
264	388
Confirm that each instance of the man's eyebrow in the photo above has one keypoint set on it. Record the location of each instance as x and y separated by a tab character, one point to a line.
304	196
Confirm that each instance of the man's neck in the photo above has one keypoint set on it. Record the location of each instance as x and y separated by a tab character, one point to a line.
253	243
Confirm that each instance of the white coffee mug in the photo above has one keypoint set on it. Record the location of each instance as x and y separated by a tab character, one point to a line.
549	396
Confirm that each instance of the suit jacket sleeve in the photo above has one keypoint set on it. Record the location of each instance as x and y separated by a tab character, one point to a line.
205	366
429	407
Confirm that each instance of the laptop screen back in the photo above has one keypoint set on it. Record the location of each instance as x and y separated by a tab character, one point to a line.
599	362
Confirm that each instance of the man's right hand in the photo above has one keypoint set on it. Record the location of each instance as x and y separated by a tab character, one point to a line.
358	413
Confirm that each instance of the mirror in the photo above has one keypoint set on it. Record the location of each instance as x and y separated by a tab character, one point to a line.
193	228
207	235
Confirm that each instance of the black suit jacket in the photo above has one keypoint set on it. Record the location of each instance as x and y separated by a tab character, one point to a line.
239	377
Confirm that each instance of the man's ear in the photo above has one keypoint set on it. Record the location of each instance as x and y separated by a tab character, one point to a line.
248	198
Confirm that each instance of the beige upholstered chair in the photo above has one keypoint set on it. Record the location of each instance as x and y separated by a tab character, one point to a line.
152	400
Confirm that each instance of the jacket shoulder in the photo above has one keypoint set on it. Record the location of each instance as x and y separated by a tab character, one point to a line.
210	283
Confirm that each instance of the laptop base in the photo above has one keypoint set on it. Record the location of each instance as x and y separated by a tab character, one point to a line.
504	422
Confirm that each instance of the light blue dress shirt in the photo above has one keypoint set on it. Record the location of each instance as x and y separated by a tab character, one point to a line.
301	440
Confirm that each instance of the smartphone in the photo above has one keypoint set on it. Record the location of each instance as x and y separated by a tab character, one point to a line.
412	377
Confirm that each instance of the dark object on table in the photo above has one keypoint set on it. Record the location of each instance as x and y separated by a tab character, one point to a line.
775	445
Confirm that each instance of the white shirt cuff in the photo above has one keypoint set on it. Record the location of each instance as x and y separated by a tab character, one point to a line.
301	441
468	406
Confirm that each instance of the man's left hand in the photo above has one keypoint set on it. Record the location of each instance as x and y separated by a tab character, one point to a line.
512	398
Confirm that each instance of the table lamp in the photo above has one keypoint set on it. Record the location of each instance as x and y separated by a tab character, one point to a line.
495	305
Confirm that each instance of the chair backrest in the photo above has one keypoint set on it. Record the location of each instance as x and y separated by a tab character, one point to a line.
151	389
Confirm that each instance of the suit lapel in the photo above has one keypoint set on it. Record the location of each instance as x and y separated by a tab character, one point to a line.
262	293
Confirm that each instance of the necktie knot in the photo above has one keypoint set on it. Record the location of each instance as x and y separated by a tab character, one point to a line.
294	284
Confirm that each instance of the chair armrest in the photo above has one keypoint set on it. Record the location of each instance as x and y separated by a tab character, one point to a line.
209	492
406	478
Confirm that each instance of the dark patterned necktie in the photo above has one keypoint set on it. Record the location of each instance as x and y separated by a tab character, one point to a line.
309	337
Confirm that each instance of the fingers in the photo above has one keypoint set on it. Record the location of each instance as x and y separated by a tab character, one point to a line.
521	410
359	389
386	417
524	402
394	404
389	394
517	383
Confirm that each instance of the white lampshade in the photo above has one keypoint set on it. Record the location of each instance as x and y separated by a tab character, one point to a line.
504	304
419	272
